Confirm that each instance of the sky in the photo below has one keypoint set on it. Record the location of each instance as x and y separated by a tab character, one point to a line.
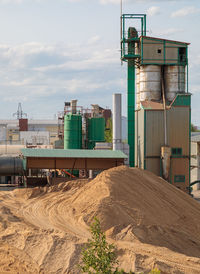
52	51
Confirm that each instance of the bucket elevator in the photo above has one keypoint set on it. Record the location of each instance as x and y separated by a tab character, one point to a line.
159	120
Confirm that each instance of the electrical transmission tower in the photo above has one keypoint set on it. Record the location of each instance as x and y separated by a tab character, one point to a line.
20	114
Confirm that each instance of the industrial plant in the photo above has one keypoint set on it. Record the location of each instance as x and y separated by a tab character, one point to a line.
93	191
74	145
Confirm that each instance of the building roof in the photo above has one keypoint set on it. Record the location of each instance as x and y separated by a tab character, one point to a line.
152	105
195	137
73	153
173	41
15	122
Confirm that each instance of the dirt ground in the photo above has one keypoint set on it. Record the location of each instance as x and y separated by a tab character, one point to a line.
152	224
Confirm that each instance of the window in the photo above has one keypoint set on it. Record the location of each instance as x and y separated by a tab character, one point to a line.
182	55
179	178
159	51
176	151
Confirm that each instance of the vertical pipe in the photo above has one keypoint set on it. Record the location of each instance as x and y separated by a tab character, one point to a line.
123	35
145	23
142	23
131	103
131	112
117	121
164	107
187	71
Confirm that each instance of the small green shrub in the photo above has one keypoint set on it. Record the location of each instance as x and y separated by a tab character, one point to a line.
155	271
98	256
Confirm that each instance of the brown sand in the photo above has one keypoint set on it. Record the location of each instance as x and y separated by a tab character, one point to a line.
42	230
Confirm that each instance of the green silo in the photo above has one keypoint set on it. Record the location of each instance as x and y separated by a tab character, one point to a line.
72	131
96	129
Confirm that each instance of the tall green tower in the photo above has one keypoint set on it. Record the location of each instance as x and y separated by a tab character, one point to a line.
129	54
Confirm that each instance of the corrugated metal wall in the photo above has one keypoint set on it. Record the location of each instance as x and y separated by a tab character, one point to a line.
150	131
154	132
177	130
152	55
139	138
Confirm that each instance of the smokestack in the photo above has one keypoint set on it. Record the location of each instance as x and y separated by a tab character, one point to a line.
73	106
117	121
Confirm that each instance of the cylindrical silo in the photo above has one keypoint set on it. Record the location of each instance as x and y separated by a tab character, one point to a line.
138	88
174	81
72	131
96	129
117	122
150	83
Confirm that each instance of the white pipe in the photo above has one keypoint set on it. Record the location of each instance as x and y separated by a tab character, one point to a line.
117	121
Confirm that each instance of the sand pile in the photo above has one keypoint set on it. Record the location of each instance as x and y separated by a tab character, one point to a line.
151	223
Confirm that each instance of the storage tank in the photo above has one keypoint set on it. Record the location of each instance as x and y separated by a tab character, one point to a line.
72	131
174	81
96	129
11	166
138	88
150	83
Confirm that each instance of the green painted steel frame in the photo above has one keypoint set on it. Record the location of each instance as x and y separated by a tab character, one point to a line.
124	17
130	57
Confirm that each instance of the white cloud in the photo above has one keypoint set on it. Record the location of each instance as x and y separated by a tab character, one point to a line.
104	2
185	11
34	71
11	1
109	2
169	31
152	11
93	39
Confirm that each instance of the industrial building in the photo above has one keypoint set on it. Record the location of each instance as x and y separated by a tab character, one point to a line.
158	118
20	131
159	126
27	146
195	160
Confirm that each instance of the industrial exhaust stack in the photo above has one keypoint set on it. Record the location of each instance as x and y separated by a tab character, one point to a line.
117	122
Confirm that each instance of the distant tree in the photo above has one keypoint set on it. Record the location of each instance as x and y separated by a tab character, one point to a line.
194	128
108	131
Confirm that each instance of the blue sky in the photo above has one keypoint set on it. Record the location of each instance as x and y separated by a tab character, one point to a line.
53	51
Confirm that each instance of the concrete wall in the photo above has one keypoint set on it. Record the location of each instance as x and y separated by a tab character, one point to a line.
195	163
35	137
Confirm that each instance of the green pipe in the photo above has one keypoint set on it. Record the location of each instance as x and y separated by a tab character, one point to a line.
131	112
194	183
131	104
